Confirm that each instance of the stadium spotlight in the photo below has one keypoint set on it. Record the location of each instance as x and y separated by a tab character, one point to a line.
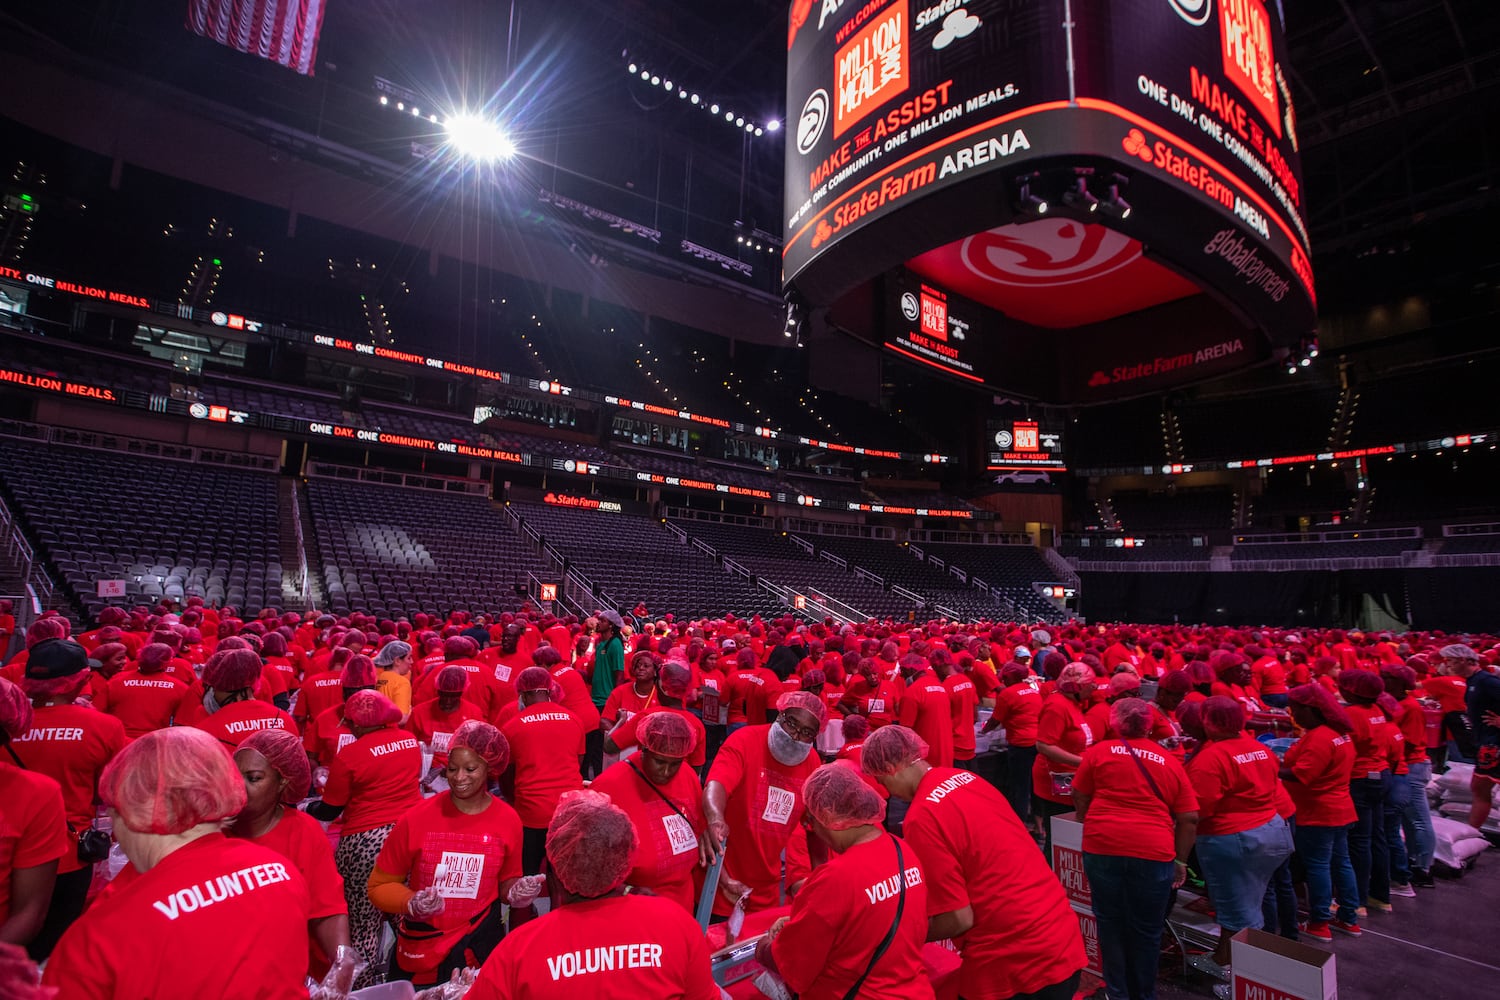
1027	203
694	99
1113	205
1078	196
384	100
631	68
1305	362
477	138
773	125
1291	369
713	109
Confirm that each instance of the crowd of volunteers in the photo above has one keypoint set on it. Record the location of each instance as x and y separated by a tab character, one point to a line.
522	805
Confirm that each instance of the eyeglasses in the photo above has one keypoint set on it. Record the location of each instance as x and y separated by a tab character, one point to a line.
805	734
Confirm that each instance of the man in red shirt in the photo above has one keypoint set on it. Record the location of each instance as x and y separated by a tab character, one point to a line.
988	887
925	707
871	695
754	791
598	943
546	749
228	711
672	687
963	700
755	689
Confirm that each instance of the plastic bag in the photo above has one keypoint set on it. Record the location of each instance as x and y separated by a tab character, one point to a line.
770	984
342	972
456	986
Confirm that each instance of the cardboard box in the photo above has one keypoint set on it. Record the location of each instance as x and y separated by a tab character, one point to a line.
1090	929
1268	967
1067	858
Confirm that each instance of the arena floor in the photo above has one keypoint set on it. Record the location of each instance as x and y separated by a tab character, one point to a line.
1439	946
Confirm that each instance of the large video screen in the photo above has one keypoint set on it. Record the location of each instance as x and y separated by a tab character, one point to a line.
1021	442
931	326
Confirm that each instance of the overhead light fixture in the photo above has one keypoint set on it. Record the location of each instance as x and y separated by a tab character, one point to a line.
1028	203
631	68
478	138
773	125
1079	197
1113	204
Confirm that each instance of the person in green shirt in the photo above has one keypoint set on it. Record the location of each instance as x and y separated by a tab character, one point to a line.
609	666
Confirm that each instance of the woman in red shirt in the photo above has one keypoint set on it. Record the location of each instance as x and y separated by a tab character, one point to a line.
1414	818
1316	771
449	863
371	784
1017	706
1374	748
871	883
1241	839
178	929
276	773
636	695
1140	817
664	801
1062	736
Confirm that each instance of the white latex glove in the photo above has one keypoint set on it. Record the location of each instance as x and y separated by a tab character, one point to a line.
526	889
425	903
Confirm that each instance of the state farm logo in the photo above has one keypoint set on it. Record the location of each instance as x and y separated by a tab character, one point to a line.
1047	253
909	307
814	118
1194	12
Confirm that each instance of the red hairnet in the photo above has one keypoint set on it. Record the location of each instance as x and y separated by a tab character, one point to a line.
15	709
674	679
232	670
805	700
47	628
170	780
452	680
1362	684
283	751
1131	718
1400	672
152	659
1222	716
856	727
534	679
1122	683
666	734
591	843
1198	673
1014	673
370	710
1176	682
359	673
1321	700
840	799
108	650
487	742
274	644
814	678
891	748
1190	718
459	647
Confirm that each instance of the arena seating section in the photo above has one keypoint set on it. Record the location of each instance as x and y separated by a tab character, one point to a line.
169	528
395	550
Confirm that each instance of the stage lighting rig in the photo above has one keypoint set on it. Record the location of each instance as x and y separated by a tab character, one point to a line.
749	126
477	138
1078	196
1029	203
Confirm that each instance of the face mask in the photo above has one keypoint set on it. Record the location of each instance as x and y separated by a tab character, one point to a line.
210	704
785	748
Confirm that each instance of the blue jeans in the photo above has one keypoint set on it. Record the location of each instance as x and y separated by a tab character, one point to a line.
1367	847
1018	761
1237	867
1325	855
1416	820
1130	904
1276	700
1397	803
1278	908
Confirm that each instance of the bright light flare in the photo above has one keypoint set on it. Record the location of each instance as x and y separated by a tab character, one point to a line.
477	138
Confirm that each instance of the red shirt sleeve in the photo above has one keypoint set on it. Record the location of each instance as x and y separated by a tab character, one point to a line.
946	886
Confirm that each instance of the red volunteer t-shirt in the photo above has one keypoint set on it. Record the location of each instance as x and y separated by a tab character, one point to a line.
466	857
375	779
545	744
576	697
963	700
625	736
33	826
201	897
435	727
1448	691
764	805
1372	738
327	735
233	723
71	744
926	709
666	862
283	666
843	912
319	692
713	699
1414	730
1236	784
614	948
1270	676
1322	762
1025	935
301	840
1061	724
755	691
876	703
1018	708
144	702
625	699
1127	817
